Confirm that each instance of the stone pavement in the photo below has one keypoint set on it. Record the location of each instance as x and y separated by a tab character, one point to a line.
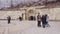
28	27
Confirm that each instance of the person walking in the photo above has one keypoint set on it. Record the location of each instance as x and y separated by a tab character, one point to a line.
39	20
9	19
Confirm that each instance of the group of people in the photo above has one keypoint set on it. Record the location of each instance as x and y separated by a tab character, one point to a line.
42	20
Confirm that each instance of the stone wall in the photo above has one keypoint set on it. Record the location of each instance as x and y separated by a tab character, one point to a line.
53	13
13	14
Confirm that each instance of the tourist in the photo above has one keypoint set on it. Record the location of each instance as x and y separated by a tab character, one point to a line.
39	20
9	19
43	21
46	20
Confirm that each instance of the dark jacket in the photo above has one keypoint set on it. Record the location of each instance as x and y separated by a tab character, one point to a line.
9	18
43	18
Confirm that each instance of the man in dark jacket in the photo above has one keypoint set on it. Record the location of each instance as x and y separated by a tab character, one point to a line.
43	20
39	20
9	19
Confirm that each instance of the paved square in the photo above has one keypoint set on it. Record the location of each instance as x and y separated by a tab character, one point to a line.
28	27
